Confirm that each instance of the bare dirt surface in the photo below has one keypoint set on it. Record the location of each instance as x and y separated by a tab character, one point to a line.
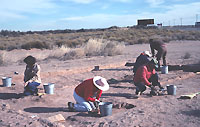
145	111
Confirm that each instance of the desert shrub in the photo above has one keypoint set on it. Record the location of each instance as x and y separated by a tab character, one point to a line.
94	47
187	55
58	52
60	43
74	54
72	43
35	44
142	40
1	58
113	48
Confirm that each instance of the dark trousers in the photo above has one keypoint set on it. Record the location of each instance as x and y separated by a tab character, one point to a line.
161	53
141	87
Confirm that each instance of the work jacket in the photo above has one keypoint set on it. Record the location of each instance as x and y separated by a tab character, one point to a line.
143	74
32	74
87	90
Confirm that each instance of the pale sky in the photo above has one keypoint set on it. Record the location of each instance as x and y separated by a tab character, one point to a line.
36	15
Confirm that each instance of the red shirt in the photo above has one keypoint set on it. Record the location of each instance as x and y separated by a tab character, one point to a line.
143	74
87	89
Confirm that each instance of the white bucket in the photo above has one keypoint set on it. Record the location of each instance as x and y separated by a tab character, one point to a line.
164	69
49	88
7	81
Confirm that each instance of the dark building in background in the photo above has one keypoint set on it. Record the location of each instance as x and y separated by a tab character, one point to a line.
145	22
197	24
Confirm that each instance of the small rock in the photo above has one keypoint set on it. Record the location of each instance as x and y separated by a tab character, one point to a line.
5	106
56	118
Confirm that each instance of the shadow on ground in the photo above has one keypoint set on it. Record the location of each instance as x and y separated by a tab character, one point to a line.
126	95
6	96
44	109
195	113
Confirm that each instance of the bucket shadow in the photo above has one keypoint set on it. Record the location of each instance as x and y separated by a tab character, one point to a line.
44	109
84	114
195	113
115	69
114	81
6	96
126	95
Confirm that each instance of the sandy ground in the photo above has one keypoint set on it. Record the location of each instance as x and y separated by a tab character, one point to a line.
146	111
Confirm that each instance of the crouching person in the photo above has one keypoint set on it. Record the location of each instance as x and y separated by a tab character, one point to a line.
84	94
31	76
146	76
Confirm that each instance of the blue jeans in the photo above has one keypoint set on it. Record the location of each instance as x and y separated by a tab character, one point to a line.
31	88
82	105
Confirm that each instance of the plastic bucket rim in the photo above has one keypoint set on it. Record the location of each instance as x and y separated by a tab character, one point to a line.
47	84
105	103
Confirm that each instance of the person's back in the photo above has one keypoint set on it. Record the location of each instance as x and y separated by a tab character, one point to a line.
161	49
142	59
156	45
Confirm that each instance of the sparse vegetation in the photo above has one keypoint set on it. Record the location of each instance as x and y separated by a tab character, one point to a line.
2	58
187	55
10	40
72	44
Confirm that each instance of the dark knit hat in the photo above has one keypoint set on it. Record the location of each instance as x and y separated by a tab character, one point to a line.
30	60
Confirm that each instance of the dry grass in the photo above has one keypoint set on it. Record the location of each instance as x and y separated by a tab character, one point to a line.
95	47
2	58
127	35
108	42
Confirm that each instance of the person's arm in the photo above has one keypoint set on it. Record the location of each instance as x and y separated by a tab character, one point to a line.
144	78
99	93
152	49
88	94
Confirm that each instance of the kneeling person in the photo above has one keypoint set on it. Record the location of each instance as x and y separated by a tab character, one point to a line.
31	76
84	92
146	76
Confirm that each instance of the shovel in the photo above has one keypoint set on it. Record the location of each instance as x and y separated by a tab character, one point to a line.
189	96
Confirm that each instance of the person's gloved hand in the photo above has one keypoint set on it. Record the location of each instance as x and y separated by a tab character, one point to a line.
96	103
150	86
96	100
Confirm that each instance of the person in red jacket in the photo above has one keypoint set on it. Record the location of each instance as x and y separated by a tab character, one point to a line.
146	76
84	92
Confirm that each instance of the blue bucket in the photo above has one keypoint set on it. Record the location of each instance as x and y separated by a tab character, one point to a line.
164	69
105	108
171	89
49	88
7	81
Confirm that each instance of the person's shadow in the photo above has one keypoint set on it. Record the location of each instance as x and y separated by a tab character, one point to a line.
6	96
45	109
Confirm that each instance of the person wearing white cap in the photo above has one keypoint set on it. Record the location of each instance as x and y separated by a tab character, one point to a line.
147	76
142	59
84	92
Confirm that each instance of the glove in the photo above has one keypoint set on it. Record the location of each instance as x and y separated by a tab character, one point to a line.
96	100
96	103
150	86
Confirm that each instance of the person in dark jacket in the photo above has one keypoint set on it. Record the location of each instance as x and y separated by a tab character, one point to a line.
161	49
84	92
142	59
31	76
146	76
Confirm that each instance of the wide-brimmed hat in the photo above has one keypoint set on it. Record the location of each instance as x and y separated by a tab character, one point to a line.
101	83
147	53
